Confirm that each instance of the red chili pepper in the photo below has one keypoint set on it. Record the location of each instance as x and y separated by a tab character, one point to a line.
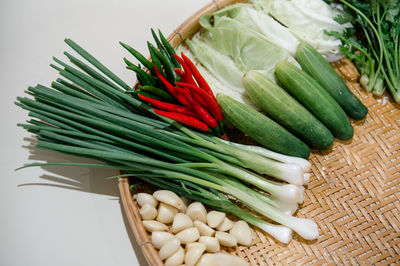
188	74
164	81
167	106
171	88
201	111
212	104
180	73
183	119
180	92
195	72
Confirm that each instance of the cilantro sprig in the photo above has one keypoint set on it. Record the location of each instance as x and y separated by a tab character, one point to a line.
373	43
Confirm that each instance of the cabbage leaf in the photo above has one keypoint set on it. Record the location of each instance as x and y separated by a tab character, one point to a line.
307	20
262	23
248	49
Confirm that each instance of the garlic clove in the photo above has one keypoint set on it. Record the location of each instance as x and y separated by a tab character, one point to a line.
194	253
169	248
215	218
154	226
204	229
207	260
225	239
158	239
225	225
211	243
193	244
181	221
188	235
197	211
166	213
145	198
176	258
169	198
148	212
242	232
230	260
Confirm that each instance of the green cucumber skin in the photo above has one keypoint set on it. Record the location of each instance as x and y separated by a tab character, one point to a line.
262	129
316	66
286	111
315	98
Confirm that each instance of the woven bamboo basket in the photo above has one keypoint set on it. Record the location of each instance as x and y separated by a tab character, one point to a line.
353	194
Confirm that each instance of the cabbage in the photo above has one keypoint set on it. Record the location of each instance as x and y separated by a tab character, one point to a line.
262	23
227	49
307	20
248	49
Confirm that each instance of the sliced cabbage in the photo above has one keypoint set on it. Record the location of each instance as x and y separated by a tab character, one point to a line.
307	20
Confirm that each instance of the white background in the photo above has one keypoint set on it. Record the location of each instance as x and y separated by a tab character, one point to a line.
59	215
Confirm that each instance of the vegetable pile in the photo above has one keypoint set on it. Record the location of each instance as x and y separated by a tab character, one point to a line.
373	44
273	67
90	113
166	132
179	94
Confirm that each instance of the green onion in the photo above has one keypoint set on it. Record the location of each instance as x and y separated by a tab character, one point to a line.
97	119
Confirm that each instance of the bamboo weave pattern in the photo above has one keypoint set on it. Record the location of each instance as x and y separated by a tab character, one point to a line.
353	194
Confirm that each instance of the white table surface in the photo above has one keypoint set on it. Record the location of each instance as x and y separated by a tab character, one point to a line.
60	215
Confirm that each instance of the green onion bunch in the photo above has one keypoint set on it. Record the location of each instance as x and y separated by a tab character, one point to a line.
88	112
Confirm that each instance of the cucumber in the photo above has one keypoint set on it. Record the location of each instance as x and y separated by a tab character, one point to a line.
286	111
261	128
315	98
316	66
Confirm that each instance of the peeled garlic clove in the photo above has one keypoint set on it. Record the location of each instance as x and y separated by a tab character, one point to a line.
197	211
215	218
207	260
169	198
212	244
193	244
154	226
225	225
194	253
225	239
148	212
242	232
230	260
169	248
204	229
176	258
188	235
145	198
166	213
158	239
181	222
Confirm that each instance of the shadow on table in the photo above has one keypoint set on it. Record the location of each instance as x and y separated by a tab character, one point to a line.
85	179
